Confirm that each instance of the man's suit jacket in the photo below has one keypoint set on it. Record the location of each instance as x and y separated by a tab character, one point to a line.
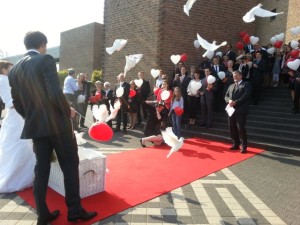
231	55
145	90
241	95
37	96
183	85
125	96
215	73
258	73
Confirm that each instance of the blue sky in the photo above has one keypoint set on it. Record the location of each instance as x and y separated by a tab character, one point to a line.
49	17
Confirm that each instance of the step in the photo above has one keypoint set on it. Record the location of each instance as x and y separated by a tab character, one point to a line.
252	141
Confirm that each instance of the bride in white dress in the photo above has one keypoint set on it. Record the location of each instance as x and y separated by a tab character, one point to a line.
17	159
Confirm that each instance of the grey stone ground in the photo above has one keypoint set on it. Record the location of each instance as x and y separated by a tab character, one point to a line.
262	190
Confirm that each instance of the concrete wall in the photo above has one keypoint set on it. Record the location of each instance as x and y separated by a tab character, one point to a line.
82	48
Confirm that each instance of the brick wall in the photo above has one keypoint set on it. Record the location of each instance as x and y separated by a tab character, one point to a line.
82	48
160	28
213	20
137	21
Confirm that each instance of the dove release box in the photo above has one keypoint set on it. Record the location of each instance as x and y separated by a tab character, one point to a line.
92	169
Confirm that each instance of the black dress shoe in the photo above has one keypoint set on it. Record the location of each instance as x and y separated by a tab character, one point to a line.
82	215
144	146
50	217
243	150
234	147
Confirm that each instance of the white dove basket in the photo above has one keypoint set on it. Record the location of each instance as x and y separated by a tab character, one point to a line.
92	169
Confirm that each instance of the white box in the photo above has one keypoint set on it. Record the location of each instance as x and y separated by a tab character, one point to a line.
92	169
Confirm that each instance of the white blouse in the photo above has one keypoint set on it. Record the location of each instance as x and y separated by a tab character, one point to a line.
5	93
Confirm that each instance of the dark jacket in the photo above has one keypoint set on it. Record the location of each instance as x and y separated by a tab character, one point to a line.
241	96
37	96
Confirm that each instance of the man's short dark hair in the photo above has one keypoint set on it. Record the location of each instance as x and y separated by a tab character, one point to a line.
34	40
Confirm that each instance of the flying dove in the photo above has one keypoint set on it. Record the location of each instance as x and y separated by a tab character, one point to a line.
117	46
187	7
171	140
209	47
258	11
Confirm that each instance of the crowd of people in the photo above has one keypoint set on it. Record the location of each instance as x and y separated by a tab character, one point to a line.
46	114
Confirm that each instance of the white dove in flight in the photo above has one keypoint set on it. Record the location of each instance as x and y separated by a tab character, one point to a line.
100	112
131	61
171	140
117	46
258	11
187	7
113	111
210	47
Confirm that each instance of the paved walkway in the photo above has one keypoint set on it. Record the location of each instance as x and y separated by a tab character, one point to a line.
261	190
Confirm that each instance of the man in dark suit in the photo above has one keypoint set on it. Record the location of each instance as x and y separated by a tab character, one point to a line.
259	67
86	90
238	96
122	113
229	52
143	93
182	81
38	98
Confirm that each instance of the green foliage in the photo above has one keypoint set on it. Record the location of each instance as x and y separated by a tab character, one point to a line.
97	75
62	74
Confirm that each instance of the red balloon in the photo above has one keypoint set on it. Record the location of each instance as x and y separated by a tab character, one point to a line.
100	132
239	45
132	93
246	39
295	53
242	34
178	111
183	57
93	99
98	95
156	91
278	44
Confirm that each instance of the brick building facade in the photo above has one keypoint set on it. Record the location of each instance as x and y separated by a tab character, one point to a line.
160	28
82	48
268	27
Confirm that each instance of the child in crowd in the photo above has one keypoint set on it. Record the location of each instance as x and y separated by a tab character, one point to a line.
177	101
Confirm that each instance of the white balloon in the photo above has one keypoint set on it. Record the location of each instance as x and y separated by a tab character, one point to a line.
155	73
294	65
196	44
120	92
295	30
221	75
273	40
254	40
138	82
271	50
211	79
219	54
195	86
165	95
175	59
80	99
294	44
279	37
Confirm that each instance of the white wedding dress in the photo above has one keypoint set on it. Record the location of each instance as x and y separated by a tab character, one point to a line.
17	159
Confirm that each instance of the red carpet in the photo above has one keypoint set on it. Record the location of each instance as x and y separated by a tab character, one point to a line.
140	175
